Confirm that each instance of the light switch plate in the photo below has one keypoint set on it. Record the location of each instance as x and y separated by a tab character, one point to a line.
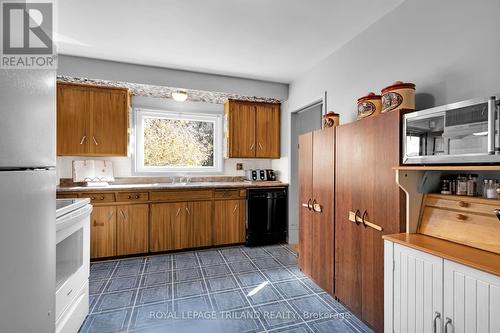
239	166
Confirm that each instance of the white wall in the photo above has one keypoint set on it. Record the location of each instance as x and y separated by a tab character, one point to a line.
450	49
122	166
118	71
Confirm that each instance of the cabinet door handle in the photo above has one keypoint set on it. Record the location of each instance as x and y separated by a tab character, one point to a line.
461	217
235	207
437	316
497	213
187	210
123	214
260	146
98	224
446	323
252	146
95	141
83	139
178	211
463	204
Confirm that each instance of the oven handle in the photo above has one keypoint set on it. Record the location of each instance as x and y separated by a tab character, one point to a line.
66	220
492	108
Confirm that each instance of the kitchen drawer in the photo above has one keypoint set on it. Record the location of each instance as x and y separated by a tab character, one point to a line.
462	203
229	193
476	230
182	195
67	195
132	196
99	197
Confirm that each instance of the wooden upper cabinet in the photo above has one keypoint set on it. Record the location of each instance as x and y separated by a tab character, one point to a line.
91	120
73	120
109	122
252	129
267	131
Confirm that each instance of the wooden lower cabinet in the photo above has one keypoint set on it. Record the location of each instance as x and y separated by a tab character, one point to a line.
165	219
103	232
229	221
198	231
180	225
132	229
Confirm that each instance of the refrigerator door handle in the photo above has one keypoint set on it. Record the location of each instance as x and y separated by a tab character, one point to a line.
492	108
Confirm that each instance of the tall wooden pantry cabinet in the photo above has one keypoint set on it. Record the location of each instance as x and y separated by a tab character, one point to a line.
368	204
316	200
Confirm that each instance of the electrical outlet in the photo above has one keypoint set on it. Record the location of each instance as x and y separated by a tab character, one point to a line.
239	166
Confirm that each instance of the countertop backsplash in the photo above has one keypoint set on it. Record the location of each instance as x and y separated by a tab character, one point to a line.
122	166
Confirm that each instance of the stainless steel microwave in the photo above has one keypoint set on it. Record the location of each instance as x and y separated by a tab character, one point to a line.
460	133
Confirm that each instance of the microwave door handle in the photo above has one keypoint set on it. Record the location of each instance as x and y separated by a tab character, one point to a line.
492	108
497	130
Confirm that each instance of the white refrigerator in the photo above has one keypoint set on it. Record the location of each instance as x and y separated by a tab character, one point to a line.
27	200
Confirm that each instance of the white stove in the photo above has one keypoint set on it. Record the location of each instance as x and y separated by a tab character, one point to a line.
72	263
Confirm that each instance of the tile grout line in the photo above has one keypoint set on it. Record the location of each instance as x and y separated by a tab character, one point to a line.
313	292
136	295
241	289
280	292
204	281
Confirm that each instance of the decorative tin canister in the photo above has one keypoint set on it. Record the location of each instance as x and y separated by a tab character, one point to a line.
331	119
397	96
369	105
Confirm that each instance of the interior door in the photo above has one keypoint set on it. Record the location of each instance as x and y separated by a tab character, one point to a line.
109	122
267	129
305	200
73	120
323	194
103	232
242	129
348	180
166	219
131	230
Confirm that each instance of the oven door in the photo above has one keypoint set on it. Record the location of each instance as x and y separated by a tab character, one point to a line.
72	255
459	133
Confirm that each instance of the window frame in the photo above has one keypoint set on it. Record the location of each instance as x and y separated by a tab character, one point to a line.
138	167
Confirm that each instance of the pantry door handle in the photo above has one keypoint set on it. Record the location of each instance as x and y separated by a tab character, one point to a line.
309	205
95	141
316	207
446	323
363	218
356	214
437	316
83	139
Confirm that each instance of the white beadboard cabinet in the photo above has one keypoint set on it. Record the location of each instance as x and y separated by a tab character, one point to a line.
423	292
471	299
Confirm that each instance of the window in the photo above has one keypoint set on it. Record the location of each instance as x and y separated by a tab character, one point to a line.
173	142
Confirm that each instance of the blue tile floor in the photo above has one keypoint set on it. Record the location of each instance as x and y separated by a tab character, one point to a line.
230	289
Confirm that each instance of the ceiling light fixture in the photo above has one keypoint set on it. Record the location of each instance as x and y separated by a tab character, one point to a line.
180	95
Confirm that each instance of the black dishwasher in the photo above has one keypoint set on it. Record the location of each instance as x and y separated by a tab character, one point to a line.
267	216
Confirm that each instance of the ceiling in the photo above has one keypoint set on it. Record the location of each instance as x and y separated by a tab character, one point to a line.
274	40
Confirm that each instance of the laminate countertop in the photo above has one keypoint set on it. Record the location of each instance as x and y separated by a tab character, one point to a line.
171	186
479	259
